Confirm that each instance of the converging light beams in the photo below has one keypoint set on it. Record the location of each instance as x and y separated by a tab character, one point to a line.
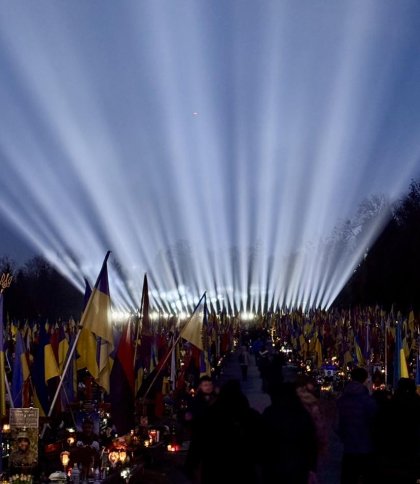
248	149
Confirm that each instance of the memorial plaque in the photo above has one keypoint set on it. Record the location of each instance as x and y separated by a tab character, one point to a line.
24	418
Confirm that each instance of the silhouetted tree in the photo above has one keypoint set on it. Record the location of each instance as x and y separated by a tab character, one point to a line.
39	291
390	272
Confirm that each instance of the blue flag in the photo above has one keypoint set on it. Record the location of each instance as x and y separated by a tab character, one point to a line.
20	371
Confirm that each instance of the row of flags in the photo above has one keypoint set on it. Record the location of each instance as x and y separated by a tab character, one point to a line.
48	358
370	337
139	362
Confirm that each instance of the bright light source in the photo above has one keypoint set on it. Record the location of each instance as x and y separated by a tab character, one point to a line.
257	203
247	316
120	316
154	315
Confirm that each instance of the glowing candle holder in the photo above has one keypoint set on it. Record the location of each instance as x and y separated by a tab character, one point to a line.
122	456
153	435
65	459
113	458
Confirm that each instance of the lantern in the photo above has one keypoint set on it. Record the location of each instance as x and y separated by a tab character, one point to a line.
122	456
65	459
113	458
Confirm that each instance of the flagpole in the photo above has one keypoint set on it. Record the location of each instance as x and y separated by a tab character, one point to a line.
62	376
138	327
170	351
173	364
73	349
6	382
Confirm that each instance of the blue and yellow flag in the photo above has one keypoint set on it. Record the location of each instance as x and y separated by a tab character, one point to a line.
359	354
400	362
44	368
86	344
96	320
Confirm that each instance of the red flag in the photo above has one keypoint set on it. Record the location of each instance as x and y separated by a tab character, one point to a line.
125	355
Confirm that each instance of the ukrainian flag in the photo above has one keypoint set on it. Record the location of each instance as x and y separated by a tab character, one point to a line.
359	354
44	368
96	320
400	362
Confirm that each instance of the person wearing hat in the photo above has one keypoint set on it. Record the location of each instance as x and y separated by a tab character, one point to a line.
87	437
87	446
23	458
203	398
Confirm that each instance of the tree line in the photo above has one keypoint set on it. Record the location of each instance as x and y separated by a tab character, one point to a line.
388	274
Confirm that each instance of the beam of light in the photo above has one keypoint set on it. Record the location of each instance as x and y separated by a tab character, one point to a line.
249	150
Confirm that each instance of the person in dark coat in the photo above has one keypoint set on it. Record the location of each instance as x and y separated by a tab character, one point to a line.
203	398
398	435
356	416
225	446
290	442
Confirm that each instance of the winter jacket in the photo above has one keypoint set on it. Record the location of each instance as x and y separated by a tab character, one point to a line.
356	414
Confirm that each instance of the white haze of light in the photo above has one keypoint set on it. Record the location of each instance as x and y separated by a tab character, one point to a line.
214	145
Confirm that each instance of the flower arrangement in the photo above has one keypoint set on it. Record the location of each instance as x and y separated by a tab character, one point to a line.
21	479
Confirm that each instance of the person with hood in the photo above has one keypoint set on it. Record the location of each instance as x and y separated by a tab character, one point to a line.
226	445
356	411
289	443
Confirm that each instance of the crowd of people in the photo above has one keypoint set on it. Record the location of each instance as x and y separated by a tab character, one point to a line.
232	442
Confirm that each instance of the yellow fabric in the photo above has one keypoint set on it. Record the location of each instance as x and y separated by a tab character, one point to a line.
192	331
63	348
403	364
51	367
97	316
359	354
25	367
86	347
318	353
105	366
96	319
